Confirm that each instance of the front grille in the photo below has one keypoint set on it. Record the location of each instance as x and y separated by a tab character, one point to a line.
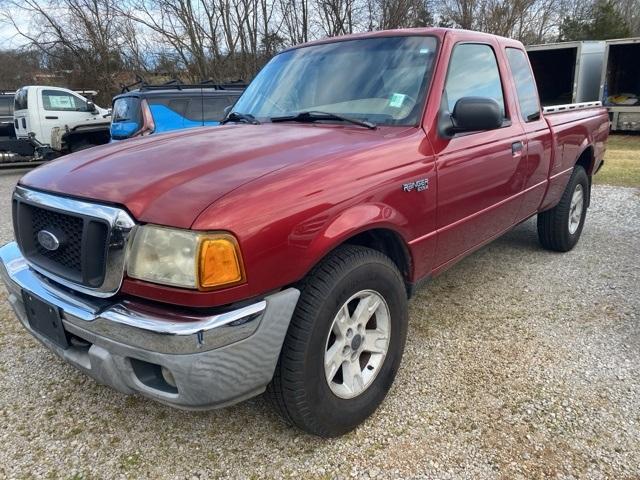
69	227
82	245
83	242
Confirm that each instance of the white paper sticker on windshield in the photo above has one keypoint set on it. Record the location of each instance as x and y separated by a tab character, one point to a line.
396	100
60	101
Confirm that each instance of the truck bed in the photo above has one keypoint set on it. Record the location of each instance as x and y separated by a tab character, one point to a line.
574	126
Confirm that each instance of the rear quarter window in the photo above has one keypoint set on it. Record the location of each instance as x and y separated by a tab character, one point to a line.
20	101
525	84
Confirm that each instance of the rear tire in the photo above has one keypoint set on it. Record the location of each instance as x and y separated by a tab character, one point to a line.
559	229
344	345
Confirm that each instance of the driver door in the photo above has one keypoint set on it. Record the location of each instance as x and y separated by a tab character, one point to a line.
480	174
60	108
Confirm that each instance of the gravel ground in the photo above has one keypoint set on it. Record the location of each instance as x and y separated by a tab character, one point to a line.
520	363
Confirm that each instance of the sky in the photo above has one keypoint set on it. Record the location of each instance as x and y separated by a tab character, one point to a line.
9	37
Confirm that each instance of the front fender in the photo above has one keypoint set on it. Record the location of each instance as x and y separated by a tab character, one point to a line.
349	223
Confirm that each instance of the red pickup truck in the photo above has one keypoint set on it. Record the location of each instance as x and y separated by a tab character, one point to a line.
278	252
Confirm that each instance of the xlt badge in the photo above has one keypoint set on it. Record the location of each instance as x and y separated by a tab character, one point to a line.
418	185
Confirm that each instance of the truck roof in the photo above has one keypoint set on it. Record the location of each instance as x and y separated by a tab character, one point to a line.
434	31
146	93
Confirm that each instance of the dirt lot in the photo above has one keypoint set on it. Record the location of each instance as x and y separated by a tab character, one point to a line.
520	363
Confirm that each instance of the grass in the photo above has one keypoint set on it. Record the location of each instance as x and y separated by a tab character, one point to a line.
621	162
129	462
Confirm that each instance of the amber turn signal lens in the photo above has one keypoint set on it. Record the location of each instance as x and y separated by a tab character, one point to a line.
220	263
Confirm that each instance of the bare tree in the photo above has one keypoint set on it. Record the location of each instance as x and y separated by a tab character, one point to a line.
630	10
98	42
296	19
336	17
85	38
389	14
19	67
463	13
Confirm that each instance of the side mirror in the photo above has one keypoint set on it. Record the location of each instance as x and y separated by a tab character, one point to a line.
471	114
227	109
91	107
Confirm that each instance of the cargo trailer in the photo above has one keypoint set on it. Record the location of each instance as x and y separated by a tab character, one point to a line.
620	83
567	72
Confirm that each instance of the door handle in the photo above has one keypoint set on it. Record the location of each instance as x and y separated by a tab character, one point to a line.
51	118
517	148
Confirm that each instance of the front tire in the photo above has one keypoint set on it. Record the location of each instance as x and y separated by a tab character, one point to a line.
344	345
559	228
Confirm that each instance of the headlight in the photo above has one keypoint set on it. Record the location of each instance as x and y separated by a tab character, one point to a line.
184	258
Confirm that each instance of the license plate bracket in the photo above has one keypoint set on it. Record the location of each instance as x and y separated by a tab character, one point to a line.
45	319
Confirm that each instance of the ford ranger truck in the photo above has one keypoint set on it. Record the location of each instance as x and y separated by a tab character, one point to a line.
278	251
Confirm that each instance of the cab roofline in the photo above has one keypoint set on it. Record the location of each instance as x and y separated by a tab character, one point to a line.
438	32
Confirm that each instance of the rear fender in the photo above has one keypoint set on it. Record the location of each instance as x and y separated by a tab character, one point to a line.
568	156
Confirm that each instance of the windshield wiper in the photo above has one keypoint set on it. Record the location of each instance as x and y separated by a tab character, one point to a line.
241	118
314	116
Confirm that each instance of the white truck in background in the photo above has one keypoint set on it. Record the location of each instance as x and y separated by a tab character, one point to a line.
52	121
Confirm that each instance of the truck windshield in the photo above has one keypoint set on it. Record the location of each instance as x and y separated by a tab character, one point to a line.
126	117
379	80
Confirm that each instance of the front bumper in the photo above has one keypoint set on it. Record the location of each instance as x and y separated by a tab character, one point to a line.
213	359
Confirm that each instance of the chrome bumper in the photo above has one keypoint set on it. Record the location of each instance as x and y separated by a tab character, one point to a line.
214	359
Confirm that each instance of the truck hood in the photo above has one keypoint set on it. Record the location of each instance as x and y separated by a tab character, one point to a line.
169	179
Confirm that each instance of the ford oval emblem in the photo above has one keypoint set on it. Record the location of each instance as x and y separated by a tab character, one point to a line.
48	240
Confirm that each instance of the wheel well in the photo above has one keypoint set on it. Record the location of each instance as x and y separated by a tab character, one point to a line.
87	138
389	243
586	160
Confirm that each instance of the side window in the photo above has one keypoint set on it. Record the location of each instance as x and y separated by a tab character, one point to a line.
232	99
178	105
194	110
207	108
213	108
59	101
5	105
525	84
473	72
